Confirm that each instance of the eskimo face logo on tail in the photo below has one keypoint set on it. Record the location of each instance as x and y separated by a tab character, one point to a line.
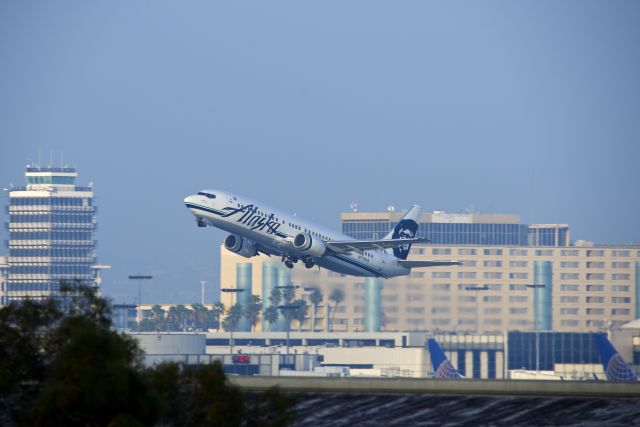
406	229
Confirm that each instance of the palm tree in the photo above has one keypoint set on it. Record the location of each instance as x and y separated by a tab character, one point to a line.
316	298
213	319
157	314
200	315
252	310
336	296
184	315
271	315
234	314
300	312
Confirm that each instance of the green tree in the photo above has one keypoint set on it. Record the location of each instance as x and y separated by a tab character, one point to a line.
288	294
252	310
336	296
271	315
234	314
316	298
275	297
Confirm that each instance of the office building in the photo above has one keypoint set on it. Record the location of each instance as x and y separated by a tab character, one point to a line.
51	224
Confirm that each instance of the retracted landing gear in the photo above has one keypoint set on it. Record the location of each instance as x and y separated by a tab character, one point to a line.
200	222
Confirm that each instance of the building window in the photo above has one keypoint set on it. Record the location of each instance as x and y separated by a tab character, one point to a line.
518	298
620	311
469	263
595	276
619	276
568	300
441	251
620	253
518	252
492	275
466	275
440	275
569	264
544	252
620	288
595	264
515	287
621	300
595	311
569	322
569	310
595	300
441	287
620	265
492	263
569	276
492	298
518	310
518	275
569	252
518	264
467	251
595	288
595	252
492	251
569	288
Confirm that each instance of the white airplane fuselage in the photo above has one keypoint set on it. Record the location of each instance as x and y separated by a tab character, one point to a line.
272	231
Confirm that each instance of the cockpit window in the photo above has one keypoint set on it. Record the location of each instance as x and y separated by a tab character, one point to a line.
209	195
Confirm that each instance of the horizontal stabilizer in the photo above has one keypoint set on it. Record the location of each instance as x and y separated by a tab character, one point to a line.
369	245
418	264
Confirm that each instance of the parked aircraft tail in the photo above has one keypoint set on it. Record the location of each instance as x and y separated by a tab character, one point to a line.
615	368
441	364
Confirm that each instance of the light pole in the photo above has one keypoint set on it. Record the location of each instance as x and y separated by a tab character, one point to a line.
285	312
477	288
202	283
140	278
537	328
232	291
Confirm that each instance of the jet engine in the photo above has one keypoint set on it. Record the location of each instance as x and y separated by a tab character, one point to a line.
303	242
241	246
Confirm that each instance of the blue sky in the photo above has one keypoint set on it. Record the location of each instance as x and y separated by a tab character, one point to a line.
528	107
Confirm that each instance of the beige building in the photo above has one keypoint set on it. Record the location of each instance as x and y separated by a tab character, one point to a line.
580	288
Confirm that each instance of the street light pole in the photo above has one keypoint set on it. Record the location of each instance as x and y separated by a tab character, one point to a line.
140	278
202	282
233	291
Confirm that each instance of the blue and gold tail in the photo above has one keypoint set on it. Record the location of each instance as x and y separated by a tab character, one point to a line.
615	368
441	364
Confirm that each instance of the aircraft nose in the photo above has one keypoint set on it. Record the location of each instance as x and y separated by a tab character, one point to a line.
190	199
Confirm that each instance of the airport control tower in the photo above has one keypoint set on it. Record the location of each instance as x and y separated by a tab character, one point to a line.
51	225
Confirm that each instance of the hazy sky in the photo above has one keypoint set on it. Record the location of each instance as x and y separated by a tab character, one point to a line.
502	106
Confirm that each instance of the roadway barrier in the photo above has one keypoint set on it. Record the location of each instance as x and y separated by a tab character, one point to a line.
440	386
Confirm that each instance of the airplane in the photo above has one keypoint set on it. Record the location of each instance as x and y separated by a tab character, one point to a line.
615	368
441	364
256	228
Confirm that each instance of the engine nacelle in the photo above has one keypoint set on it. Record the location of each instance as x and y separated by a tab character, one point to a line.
241	246
303	242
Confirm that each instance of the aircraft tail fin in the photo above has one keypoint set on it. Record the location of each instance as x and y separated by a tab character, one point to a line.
615	368
441	364
406	228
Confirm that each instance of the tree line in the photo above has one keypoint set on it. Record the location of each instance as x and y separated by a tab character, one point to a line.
282	302
63	364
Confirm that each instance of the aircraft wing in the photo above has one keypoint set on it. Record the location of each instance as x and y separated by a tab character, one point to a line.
367	245
415	264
